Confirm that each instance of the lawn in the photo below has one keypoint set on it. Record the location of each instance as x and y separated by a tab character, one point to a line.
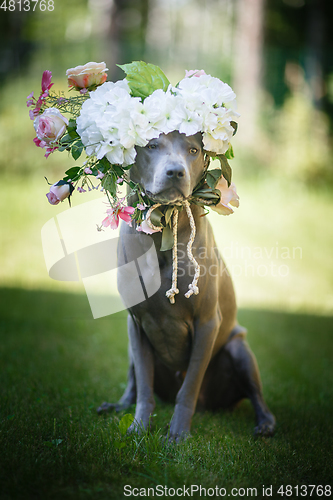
58	365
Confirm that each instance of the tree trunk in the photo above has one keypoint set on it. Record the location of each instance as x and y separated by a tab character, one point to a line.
248	65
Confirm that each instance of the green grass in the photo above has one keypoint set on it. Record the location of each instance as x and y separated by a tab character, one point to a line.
58	365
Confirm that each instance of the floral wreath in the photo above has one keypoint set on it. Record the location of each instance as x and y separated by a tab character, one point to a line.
108	120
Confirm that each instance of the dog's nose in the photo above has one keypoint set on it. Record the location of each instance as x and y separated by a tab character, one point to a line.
176	171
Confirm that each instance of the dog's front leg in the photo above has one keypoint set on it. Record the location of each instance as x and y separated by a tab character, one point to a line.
186	400
143	359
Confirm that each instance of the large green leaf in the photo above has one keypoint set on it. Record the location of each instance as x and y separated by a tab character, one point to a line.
143	78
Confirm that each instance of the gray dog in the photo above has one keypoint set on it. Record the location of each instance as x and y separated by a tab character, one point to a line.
192	352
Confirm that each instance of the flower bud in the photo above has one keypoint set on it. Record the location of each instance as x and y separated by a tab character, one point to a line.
59	192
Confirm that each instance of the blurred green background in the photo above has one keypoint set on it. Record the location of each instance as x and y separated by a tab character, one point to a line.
278	57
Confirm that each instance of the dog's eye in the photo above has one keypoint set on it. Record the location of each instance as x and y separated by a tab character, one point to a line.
151	146
193	151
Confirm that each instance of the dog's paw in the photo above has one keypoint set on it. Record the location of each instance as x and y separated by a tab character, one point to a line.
176	438
265	428
107	408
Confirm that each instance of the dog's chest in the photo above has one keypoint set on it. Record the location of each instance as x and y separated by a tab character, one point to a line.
170	337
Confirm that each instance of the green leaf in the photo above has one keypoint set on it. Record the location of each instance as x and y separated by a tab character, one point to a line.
230	152
156	217
72	172
144	78
167	239
124	423
66	139
207	194
109	184
213	176
119	444
71	124
72	133
235	126
226	169
119	171
103	165
77	149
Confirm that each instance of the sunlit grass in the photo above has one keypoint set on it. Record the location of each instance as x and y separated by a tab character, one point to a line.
277	245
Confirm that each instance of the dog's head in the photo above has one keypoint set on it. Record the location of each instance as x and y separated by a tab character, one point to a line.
169	167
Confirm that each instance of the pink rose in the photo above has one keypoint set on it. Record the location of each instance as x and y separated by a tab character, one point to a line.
50	125
228	195
89	75
194	72
59	192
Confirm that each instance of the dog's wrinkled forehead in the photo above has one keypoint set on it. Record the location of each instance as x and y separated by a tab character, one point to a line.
177	141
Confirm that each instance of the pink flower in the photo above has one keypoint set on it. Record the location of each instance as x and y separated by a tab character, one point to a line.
124	213
141	206
228	195
33	113
50	125
100	175
87	170
59	192
146	229
46	82
30	100
89	75
81	190
39	143
194	72
119	180
50	150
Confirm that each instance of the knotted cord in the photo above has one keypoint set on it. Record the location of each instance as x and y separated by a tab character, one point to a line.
193	287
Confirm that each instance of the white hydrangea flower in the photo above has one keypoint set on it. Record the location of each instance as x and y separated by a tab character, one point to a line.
162	111
112	122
